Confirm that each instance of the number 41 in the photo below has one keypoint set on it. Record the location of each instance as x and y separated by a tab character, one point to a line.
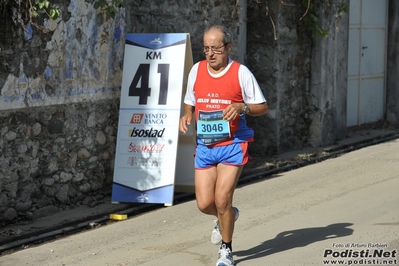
144	91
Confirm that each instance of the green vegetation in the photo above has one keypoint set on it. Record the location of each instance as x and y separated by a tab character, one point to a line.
45	5
35	8
311	17
30	10
109	8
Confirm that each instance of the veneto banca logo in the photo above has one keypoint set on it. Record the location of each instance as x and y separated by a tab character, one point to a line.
136	118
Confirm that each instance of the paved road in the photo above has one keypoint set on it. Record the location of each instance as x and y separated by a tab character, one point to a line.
345	206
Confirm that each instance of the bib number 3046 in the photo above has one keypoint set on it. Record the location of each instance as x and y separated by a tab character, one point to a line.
211	127
144	91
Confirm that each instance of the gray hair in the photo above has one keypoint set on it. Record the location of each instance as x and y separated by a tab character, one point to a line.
226	35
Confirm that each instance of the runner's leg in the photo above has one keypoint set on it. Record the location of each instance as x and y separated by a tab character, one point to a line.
205	182
226	181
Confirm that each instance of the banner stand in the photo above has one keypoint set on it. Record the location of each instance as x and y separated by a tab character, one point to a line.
152	157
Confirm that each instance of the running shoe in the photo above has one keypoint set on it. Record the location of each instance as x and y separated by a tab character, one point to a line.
216	237
225	257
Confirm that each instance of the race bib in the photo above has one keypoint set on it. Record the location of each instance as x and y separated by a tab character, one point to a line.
211	128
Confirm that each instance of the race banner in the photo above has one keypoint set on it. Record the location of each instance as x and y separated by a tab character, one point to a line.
155	73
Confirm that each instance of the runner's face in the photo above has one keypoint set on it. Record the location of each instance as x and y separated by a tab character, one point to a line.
218	59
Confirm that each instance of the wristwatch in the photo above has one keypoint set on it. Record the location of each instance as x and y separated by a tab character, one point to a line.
246	109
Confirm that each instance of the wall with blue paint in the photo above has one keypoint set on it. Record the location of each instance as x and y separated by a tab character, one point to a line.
82	57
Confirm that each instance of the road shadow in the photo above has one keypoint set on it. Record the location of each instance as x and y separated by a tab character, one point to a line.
293	239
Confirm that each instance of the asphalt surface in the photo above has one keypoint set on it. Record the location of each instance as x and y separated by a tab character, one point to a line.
343	209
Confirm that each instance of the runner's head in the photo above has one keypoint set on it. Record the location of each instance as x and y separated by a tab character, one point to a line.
217	46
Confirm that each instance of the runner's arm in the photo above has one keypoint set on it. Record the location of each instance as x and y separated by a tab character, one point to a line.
186	118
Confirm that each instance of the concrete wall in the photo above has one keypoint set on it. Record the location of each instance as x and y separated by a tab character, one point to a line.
328	83
304	76
392	84
279	56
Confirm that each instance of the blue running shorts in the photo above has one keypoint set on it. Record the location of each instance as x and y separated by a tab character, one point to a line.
232	154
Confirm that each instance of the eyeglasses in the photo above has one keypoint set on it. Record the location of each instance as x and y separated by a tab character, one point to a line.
214	49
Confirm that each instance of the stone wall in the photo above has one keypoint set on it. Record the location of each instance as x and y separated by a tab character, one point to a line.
56	157
59	102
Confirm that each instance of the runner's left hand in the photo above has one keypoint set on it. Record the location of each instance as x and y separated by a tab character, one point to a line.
232	111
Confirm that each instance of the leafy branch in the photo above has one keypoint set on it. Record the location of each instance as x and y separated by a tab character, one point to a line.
40	6
24	12
109	8
45	5
311	18
30	10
